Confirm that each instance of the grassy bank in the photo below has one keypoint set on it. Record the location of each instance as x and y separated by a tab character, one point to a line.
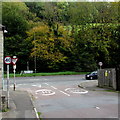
47	74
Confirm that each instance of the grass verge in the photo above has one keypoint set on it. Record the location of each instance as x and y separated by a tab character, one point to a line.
39	113
112	91
5	110
46	74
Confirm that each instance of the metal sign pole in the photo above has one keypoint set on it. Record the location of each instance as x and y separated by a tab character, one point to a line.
7	86
7	60
14	86
14	60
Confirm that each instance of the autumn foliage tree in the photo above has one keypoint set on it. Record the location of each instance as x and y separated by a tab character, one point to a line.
49	48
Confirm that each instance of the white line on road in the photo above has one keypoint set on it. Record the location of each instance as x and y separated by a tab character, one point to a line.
64	93
20	84
45	92
74	90
53	87
34	85
46	83
57	89
36	113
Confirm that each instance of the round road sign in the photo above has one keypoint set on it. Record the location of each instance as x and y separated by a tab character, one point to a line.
8	60
100	63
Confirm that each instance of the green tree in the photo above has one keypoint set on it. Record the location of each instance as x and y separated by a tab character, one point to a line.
48	47
15	17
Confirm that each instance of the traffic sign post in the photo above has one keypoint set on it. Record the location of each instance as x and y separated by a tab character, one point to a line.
14	67
7	61
14	60
100	64
7	86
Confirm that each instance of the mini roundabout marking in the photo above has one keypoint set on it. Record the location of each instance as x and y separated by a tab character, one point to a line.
76	90
45	92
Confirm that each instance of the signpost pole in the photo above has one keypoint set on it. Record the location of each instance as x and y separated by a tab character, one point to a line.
8	86
7	61
14	67
14	60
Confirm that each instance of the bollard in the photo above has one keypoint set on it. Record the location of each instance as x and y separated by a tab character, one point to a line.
3	102
14	87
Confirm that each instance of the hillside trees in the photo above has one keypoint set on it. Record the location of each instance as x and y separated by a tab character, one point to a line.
61	35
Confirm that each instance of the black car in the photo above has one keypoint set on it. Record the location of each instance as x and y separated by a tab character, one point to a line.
92	75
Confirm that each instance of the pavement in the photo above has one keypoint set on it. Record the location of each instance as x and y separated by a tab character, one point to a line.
20	106
91	85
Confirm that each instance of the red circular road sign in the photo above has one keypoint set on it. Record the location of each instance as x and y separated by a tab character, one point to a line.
8	60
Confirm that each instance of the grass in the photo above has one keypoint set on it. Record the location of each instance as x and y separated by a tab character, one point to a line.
46	74
112	91
39	113
5	110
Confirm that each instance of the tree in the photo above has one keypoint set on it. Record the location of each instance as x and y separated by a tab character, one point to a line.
15	18
48	47
81	13
63	35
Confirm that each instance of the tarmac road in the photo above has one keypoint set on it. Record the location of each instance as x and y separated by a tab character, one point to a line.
60	97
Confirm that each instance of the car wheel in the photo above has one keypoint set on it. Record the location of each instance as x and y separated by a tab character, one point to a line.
91	78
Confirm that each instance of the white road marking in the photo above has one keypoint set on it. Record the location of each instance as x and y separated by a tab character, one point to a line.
36	113
37	86
97	108
57	89
74	90
34	85
46	83
34	79
64	93
20	84
45	92
23	84
53	87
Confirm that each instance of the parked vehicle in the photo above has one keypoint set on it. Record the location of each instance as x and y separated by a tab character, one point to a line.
92	75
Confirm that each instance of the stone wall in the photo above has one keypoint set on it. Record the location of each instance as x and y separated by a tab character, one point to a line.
107	78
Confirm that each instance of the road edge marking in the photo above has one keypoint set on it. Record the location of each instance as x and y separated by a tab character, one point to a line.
36	113
35	110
